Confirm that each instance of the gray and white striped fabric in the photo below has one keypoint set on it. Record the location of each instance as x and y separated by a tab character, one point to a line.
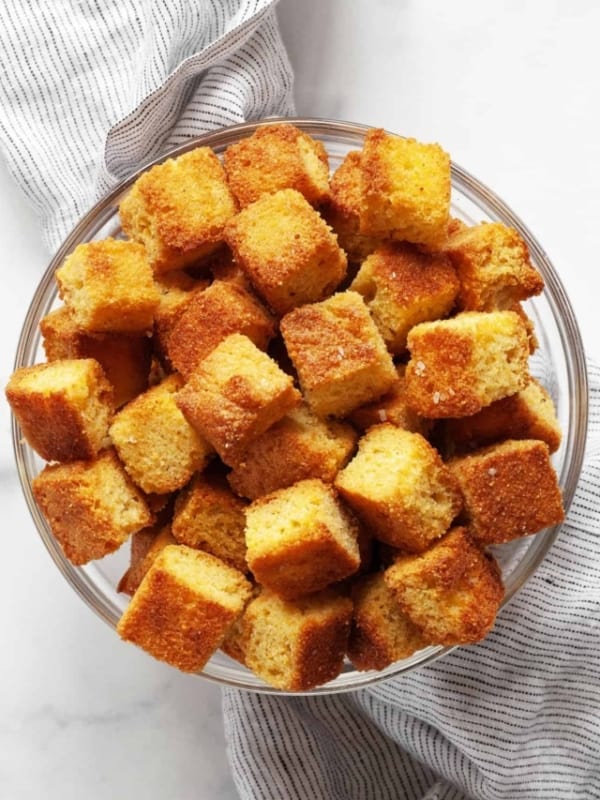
515	717
91	90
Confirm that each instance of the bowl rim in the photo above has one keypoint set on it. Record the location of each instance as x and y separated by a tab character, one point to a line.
568	330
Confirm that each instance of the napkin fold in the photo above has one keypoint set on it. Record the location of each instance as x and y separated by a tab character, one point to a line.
91	91
516	716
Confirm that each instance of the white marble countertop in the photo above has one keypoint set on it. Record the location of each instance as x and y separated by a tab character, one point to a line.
511	91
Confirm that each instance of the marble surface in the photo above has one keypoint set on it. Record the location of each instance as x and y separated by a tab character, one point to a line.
511	91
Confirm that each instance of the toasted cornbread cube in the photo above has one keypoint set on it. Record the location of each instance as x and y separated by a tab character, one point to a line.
124	357
287	250
402	287
462	364
398	484
510	490
277	157
452	591
145	547
528	414
178	209
381	632
493	265
158	447
234	395
210	517
300	539
342	211
184	607
175	289
299	446
405	189
295	645
108	286
63	407
392	408
209	317
339	354
92	507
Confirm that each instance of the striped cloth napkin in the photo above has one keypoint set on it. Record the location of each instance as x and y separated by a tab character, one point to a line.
90	92
515	717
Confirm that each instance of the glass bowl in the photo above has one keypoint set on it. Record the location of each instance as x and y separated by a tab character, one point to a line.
559	363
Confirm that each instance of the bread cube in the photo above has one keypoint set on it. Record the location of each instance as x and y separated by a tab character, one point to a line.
178	209
398	484
210	517
402	287
124	357
92	507
392	407
159	448
184	607
145	547
298	446
295	645
339	354
460	365
212	315
275	157
175	289
63	407
405	189
234	395
287	250
300	539
108	286
510	490
452	591
342	211
381	633
528	414
493	265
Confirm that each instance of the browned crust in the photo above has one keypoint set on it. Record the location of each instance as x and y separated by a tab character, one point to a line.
510	490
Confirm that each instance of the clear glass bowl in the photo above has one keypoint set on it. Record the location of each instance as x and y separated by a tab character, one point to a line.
559	363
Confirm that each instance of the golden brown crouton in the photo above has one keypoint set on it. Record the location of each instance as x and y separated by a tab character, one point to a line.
299	446
342	211
63	407
178	209
528	414
210	517
340	357
402	287
287	250
462	364
398	484
493	266
92	507
184	607
452	591
212	315
277	157
175	289
234	395
510	490
295	645
300	539
125	358
108	286
392	407
159	448
405	189
381	632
